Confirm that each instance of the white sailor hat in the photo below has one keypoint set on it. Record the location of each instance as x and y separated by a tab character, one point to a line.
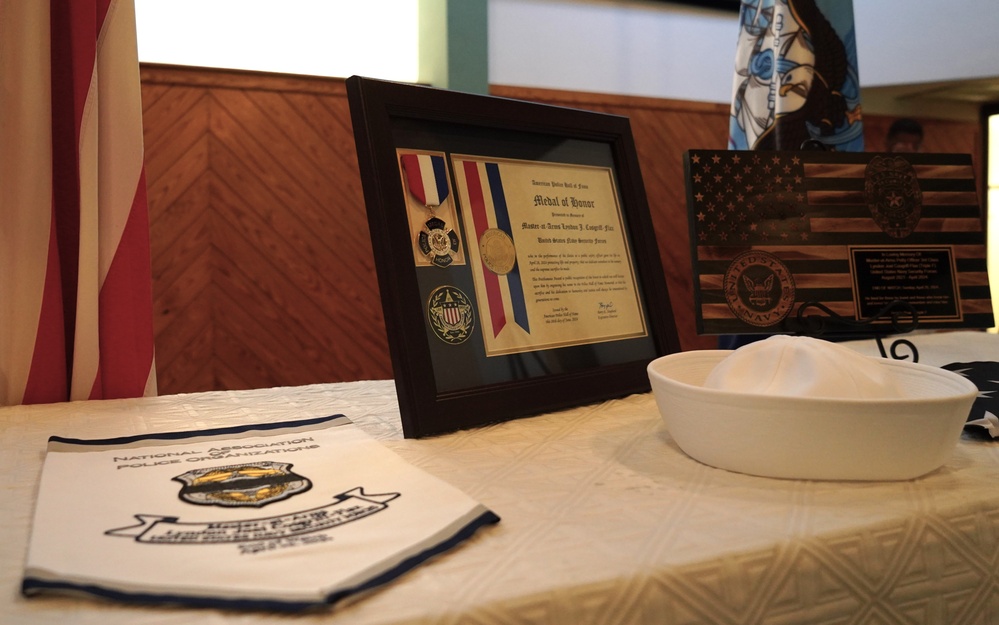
804	408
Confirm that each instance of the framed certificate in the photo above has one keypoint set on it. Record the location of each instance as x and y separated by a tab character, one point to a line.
515	253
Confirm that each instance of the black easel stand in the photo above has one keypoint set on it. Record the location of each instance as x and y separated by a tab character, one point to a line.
904	318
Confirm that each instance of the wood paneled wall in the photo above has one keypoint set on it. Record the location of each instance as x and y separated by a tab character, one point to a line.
262	267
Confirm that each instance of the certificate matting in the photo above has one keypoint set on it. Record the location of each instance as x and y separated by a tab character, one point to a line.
452	368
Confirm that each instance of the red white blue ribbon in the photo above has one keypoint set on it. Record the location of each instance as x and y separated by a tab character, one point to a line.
426	177
488	204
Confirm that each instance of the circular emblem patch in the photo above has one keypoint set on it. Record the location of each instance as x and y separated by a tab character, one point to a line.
759	288
891	190
252	484
450	314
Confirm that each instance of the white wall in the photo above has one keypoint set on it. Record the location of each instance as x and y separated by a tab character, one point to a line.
631	48
664	50
917	41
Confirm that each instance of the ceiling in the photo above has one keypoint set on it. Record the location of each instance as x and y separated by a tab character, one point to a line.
956	99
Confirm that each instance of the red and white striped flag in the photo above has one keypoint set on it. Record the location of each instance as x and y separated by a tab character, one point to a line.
75	279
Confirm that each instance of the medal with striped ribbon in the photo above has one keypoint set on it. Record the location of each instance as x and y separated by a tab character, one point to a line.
426	178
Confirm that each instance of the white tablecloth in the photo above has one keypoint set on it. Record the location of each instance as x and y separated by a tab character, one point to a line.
605	520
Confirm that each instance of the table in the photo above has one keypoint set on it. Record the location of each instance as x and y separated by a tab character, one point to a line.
604	520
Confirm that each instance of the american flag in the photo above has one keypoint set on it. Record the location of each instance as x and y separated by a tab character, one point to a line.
748	196
76	288
983	420
808	209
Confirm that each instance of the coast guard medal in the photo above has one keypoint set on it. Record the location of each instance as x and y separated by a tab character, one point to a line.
250	484
426	178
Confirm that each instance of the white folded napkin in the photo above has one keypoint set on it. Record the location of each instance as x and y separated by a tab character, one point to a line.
274	516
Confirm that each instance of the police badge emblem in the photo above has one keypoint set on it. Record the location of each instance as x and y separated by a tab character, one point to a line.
438	242
892	192
252	484
450	314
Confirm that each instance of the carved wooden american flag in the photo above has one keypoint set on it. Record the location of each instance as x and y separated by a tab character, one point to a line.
771	230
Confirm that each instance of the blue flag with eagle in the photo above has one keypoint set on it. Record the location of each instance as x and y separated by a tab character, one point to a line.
796	77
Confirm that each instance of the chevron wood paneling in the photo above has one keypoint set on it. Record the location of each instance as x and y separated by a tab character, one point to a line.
263	273
262	267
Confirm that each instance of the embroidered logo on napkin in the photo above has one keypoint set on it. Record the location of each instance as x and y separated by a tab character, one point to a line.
251	484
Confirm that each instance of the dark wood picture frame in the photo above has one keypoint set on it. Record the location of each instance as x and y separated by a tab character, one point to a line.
442	387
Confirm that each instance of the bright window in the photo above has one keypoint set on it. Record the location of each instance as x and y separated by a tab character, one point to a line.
313	37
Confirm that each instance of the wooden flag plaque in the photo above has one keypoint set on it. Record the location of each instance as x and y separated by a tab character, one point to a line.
773	231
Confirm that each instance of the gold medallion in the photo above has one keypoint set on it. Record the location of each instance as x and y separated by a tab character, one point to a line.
497	250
